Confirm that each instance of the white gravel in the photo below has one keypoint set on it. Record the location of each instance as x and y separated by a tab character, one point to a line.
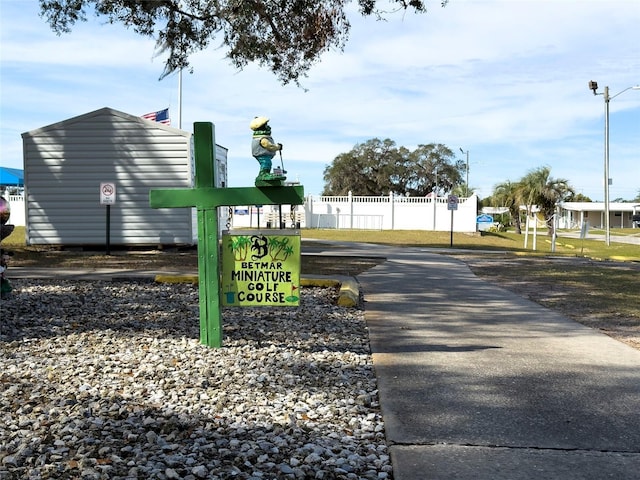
108	380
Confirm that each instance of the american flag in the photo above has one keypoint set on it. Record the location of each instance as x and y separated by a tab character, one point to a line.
161	116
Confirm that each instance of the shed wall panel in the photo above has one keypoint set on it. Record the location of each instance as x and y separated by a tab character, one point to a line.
65	163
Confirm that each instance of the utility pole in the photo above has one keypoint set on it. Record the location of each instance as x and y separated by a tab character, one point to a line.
607	98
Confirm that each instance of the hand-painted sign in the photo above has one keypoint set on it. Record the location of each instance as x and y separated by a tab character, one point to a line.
261	269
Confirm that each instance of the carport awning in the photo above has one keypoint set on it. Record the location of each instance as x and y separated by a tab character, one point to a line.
495	210
11	177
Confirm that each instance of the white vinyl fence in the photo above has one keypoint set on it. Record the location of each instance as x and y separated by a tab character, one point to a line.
365	213
342	212
391	213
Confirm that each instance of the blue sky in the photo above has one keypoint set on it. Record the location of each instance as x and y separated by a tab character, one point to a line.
504	79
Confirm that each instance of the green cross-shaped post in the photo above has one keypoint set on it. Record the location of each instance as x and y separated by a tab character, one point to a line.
207	198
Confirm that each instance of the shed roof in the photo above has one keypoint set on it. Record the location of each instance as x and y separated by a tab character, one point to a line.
599	206
105	111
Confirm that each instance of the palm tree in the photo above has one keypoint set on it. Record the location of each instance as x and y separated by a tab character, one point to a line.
507	194
540	189
463	190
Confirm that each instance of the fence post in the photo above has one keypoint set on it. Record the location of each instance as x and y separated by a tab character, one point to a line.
434	199
350	197
308	212
391	201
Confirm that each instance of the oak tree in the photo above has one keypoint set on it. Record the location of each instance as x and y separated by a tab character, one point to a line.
378	167
285	36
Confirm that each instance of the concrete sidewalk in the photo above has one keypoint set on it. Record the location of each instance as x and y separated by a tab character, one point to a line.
478	383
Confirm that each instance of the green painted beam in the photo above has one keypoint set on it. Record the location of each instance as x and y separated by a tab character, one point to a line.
204	153
209	279
209	197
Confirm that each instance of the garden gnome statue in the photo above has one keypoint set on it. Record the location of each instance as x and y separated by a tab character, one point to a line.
263	148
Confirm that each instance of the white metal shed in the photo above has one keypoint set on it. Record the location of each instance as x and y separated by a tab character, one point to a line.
66	162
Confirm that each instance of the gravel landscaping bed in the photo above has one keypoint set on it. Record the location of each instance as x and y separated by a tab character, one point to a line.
108	380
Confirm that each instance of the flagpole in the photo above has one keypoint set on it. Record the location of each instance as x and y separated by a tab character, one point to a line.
180	99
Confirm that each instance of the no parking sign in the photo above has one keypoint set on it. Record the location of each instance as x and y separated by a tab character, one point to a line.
108	198
107	193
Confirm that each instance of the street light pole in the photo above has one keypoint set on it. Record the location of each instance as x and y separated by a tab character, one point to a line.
466	186
607	98
180	99
435	200
607	226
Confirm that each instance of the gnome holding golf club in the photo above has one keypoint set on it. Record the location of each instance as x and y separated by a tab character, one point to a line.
263	148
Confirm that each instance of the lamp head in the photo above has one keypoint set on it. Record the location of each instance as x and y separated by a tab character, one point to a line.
593	86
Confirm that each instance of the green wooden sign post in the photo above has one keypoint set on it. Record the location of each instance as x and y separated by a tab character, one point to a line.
206	198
